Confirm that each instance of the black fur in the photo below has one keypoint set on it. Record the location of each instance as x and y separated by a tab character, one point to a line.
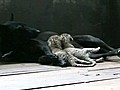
14	36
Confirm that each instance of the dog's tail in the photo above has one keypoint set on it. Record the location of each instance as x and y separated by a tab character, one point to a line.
12	17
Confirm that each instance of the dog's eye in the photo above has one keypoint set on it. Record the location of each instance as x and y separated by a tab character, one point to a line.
18	27
23	25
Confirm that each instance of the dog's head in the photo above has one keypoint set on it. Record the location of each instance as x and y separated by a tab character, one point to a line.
18	30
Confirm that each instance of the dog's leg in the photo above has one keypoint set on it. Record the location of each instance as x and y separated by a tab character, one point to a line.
90	41
110	53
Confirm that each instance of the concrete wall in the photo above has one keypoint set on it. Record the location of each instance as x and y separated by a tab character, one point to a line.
100	18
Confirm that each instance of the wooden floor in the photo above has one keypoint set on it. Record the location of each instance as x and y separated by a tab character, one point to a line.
31	76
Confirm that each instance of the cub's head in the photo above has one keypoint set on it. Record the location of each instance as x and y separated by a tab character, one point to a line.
66	38
54	41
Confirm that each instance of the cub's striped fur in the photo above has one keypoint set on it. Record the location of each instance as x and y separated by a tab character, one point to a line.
55	43
82	54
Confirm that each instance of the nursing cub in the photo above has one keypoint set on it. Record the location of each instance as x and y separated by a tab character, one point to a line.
71	56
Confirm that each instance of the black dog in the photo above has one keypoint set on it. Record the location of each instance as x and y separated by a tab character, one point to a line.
35	49
25	44
14	36
20	43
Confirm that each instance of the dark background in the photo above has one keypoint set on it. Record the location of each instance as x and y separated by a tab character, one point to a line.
100	18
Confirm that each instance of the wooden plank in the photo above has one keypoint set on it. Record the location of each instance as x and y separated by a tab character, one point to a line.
23	68
101	85
16	69
56	78
26	76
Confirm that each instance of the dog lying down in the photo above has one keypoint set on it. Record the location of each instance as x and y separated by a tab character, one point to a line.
71	56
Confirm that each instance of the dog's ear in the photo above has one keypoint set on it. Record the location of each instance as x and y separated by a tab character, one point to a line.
12	17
